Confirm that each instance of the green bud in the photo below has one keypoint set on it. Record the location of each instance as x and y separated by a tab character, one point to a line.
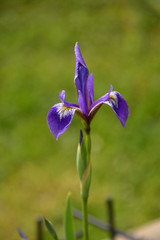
50	229
83	166
81	156
86	181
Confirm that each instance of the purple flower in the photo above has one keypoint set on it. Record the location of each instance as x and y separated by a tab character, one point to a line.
61	114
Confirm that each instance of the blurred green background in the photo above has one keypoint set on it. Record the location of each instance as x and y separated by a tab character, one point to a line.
120	42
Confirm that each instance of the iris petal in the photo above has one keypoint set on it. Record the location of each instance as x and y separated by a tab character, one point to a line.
100	101
59	118
79	58
82	103
119	106
81	71
90	91
81	76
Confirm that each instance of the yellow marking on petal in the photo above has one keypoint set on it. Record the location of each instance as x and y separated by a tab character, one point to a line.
64	111
64	108
112	98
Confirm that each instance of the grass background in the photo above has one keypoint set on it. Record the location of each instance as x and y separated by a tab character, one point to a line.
119	41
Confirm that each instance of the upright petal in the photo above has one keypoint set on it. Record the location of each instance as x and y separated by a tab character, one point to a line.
90	91
78	54
82	104
81	76
119	106
59	118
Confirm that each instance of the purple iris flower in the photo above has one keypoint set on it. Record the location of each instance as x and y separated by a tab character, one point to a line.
61	114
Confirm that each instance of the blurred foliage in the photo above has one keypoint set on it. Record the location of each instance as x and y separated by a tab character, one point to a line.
119	41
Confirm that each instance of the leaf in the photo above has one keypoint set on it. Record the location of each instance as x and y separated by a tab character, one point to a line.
69	226
50	228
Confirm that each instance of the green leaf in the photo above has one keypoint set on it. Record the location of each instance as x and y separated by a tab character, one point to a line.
69	226
50	228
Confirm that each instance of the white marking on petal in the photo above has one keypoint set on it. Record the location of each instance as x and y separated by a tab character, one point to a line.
64	111
113	100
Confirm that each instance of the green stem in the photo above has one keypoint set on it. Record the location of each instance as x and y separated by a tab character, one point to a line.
85	198
85	218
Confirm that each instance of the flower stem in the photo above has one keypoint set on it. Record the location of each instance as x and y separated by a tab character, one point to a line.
85	217
85	198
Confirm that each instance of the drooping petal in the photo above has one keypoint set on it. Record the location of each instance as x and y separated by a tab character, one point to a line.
90	91
67	104
119	106
81	76
59	118
100	101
